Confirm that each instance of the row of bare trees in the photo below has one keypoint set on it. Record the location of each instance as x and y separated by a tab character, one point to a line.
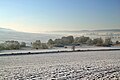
61	42
79	40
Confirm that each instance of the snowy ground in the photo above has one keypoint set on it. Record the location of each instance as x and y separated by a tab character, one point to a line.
102	65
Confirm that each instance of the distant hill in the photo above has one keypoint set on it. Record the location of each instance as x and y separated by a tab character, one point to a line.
5	29
76	31
114	30
9	34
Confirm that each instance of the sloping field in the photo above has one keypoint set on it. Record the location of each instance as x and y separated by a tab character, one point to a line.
102	65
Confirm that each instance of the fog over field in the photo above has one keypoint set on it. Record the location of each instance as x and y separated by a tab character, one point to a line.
8	34
91	65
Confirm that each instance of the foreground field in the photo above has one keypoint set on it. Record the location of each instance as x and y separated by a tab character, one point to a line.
102	65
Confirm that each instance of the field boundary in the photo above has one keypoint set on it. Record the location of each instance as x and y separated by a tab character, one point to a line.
51	52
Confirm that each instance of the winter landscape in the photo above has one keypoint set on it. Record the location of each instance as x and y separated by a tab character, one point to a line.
82	65
59	39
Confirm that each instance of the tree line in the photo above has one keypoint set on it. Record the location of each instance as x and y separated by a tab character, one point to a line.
70	40
61	42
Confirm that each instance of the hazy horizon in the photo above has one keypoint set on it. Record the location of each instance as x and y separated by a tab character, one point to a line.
8	29
9	34
59	15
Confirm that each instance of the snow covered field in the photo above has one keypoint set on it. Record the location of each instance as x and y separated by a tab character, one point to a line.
102	65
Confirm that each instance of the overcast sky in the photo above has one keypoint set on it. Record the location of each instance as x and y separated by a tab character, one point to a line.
52	15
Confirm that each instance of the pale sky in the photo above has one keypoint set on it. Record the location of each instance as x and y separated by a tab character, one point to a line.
52	15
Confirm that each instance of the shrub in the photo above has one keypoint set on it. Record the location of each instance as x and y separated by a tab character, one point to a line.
23	44
9	45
